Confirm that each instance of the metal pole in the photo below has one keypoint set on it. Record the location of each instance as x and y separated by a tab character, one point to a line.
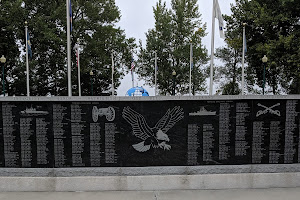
155	73
212	50
69	48
173	89
191	63
112	75
243	59
264	77
79	83
3	82
92	85
132	78
27	62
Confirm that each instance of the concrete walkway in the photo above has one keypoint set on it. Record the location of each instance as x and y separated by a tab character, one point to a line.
240	194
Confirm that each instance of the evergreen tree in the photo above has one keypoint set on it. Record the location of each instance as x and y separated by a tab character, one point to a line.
175	29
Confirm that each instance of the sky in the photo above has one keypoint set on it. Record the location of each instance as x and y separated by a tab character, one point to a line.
137	18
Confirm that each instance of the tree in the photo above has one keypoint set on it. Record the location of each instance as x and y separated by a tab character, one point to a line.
273	30
175	29
229	74
96	28
10	16
94	23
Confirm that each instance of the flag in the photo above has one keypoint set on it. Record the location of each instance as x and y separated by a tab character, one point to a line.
29	45
112	64
218	15
132	65
70	10
112	75
131	69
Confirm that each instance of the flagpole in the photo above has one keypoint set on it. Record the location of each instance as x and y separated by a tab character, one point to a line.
155	73
132	68
69	48
78	61
112	74
212	50
191	63
243	58
27	61
132	78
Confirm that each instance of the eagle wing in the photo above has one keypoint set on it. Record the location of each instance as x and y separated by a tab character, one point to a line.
138	123
170	119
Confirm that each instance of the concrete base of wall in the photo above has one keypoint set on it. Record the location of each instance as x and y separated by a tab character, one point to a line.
150	178
155	182
149	171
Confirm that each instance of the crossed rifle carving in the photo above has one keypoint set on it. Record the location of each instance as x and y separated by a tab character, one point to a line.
268	109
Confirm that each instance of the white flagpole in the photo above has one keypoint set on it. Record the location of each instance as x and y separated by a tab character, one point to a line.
132	68
112	74
243	59
132	78
155	73
27	61
69	48
78	61
191	63
212	50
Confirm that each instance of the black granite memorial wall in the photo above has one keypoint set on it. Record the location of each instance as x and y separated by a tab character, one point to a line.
56	134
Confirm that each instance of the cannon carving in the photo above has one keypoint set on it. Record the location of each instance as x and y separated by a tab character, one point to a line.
108	112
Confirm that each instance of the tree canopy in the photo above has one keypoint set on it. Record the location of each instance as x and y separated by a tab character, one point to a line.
272	29
93	23
175	29
230	72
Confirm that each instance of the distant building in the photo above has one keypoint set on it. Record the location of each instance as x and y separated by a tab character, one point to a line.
137	91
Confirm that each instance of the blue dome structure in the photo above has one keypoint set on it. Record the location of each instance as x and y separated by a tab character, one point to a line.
137	91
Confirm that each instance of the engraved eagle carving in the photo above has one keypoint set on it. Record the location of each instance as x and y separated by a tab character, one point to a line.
155	137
